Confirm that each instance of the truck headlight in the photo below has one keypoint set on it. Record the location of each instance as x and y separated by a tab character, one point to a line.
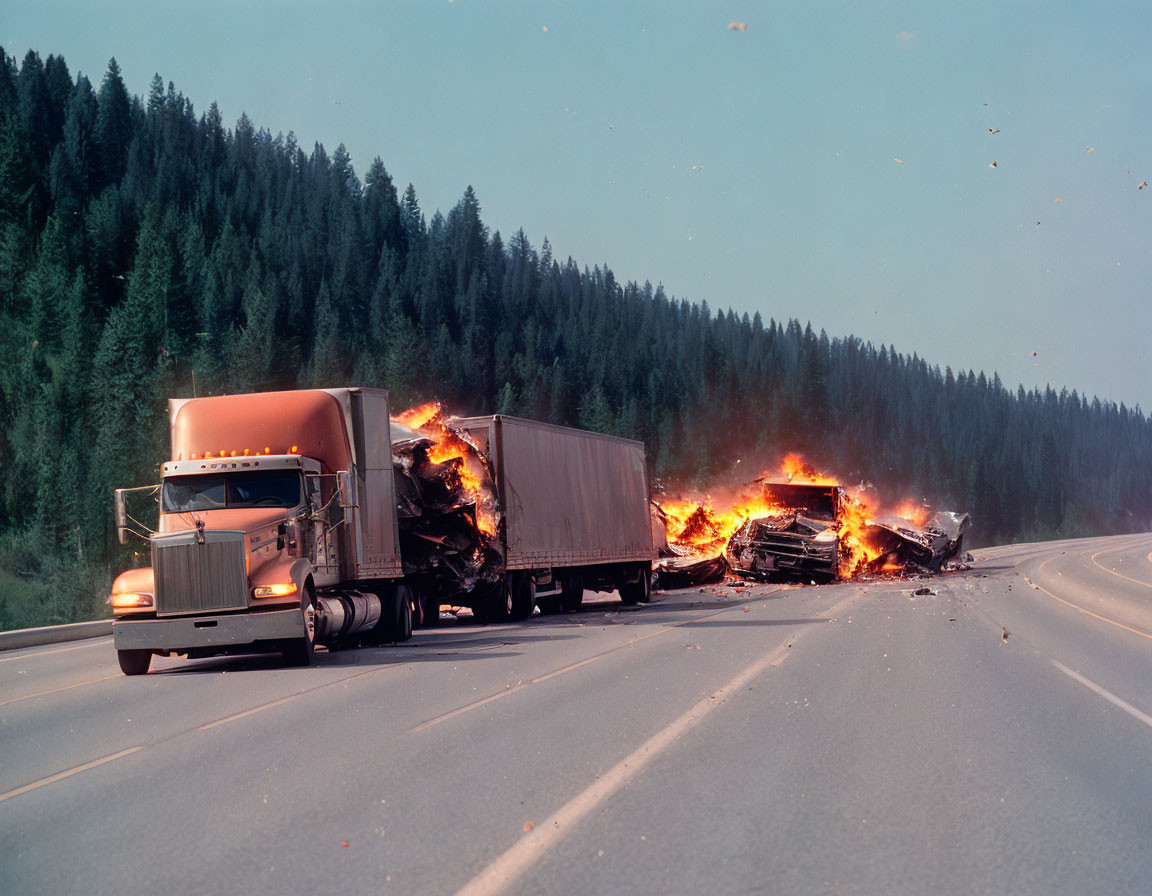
282	589
127	600
826	536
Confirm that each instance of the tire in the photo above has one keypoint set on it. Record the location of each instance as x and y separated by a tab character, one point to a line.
299	652
404	622
639	592
430	606
572	593
523	593
395	625
492	603
134	662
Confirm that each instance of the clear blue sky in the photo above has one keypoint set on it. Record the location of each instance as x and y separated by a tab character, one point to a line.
756	170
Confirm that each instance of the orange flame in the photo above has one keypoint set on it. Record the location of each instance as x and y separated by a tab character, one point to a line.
418	417
700	527
447	445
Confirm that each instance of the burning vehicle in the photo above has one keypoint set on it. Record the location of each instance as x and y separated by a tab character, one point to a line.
807	527
802	538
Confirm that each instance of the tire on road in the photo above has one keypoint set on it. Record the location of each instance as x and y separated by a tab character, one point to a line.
523	594
299	651
638	591
572	593
134	662
395	625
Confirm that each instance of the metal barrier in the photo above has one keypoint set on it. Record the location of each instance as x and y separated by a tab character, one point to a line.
54	634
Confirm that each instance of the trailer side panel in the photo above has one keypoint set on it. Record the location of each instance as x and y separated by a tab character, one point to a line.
570	497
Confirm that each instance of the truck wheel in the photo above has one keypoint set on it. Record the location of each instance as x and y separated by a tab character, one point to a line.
404	623
134	662
430	605
572	593
523	595
492	603
299	652
632	593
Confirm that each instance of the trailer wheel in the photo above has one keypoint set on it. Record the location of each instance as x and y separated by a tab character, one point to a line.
299	651
572	593
430	605
632	593
522	590
134	662
492	603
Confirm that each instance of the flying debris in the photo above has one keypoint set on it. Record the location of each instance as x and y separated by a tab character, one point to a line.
1087	149
993	130
737	26
1143	184
991	164
899	161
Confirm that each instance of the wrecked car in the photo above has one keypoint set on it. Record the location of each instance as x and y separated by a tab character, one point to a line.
801	540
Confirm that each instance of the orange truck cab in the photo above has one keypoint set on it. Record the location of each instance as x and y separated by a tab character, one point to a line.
277	531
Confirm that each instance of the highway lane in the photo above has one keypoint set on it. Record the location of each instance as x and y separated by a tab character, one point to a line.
846	738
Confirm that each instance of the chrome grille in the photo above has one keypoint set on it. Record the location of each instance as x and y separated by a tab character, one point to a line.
197	577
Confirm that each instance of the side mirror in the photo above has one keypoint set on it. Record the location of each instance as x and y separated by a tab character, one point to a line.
121	514
346	485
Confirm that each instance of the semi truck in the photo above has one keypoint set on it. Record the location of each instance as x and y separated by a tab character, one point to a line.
278	528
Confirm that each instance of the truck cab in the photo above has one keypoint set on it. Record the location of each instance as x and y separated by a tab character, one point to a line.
263	551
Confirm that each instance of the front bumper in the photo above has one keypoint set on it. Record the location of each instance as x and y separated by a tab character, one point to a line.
786	556
189	632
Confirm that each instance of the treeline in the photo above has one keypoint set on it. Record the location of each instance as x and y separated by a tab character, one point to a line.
147	251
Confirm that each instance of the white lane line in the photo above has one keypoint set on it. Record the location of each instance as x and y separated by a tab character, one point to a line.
1106	694
52	779
249	712
26	656
528	850
66	687
519	686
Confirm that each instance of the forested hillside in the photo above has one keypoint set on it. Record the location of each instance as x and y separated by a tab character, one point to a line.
148	251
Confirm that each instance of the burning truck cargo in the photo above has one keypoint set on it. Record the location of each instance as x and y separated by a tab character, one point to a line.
807	528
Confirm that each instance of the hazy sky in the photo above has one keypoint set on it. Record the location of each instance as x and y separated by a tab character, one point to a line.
829	163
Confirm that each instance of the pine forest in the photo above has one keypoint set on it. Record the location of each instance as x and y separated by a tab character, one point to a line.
147	252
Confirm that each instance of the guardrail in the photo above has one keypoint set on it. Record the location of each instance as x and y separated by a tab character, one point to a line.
54	634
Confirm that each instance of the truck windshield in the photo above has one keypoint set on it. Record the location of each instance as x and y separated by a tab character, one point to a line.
271	488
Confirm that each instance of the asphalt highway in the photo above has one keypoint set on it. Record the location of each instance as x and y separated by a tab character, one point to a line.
993	737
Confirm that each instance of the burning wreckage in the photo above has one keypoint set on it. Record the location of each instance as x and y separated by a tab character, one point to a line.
808	531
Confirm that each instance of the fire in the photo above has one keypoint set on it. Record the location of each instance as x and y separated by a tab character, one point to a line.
701	527
448	445
418	417
916	514
855	551
795	469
